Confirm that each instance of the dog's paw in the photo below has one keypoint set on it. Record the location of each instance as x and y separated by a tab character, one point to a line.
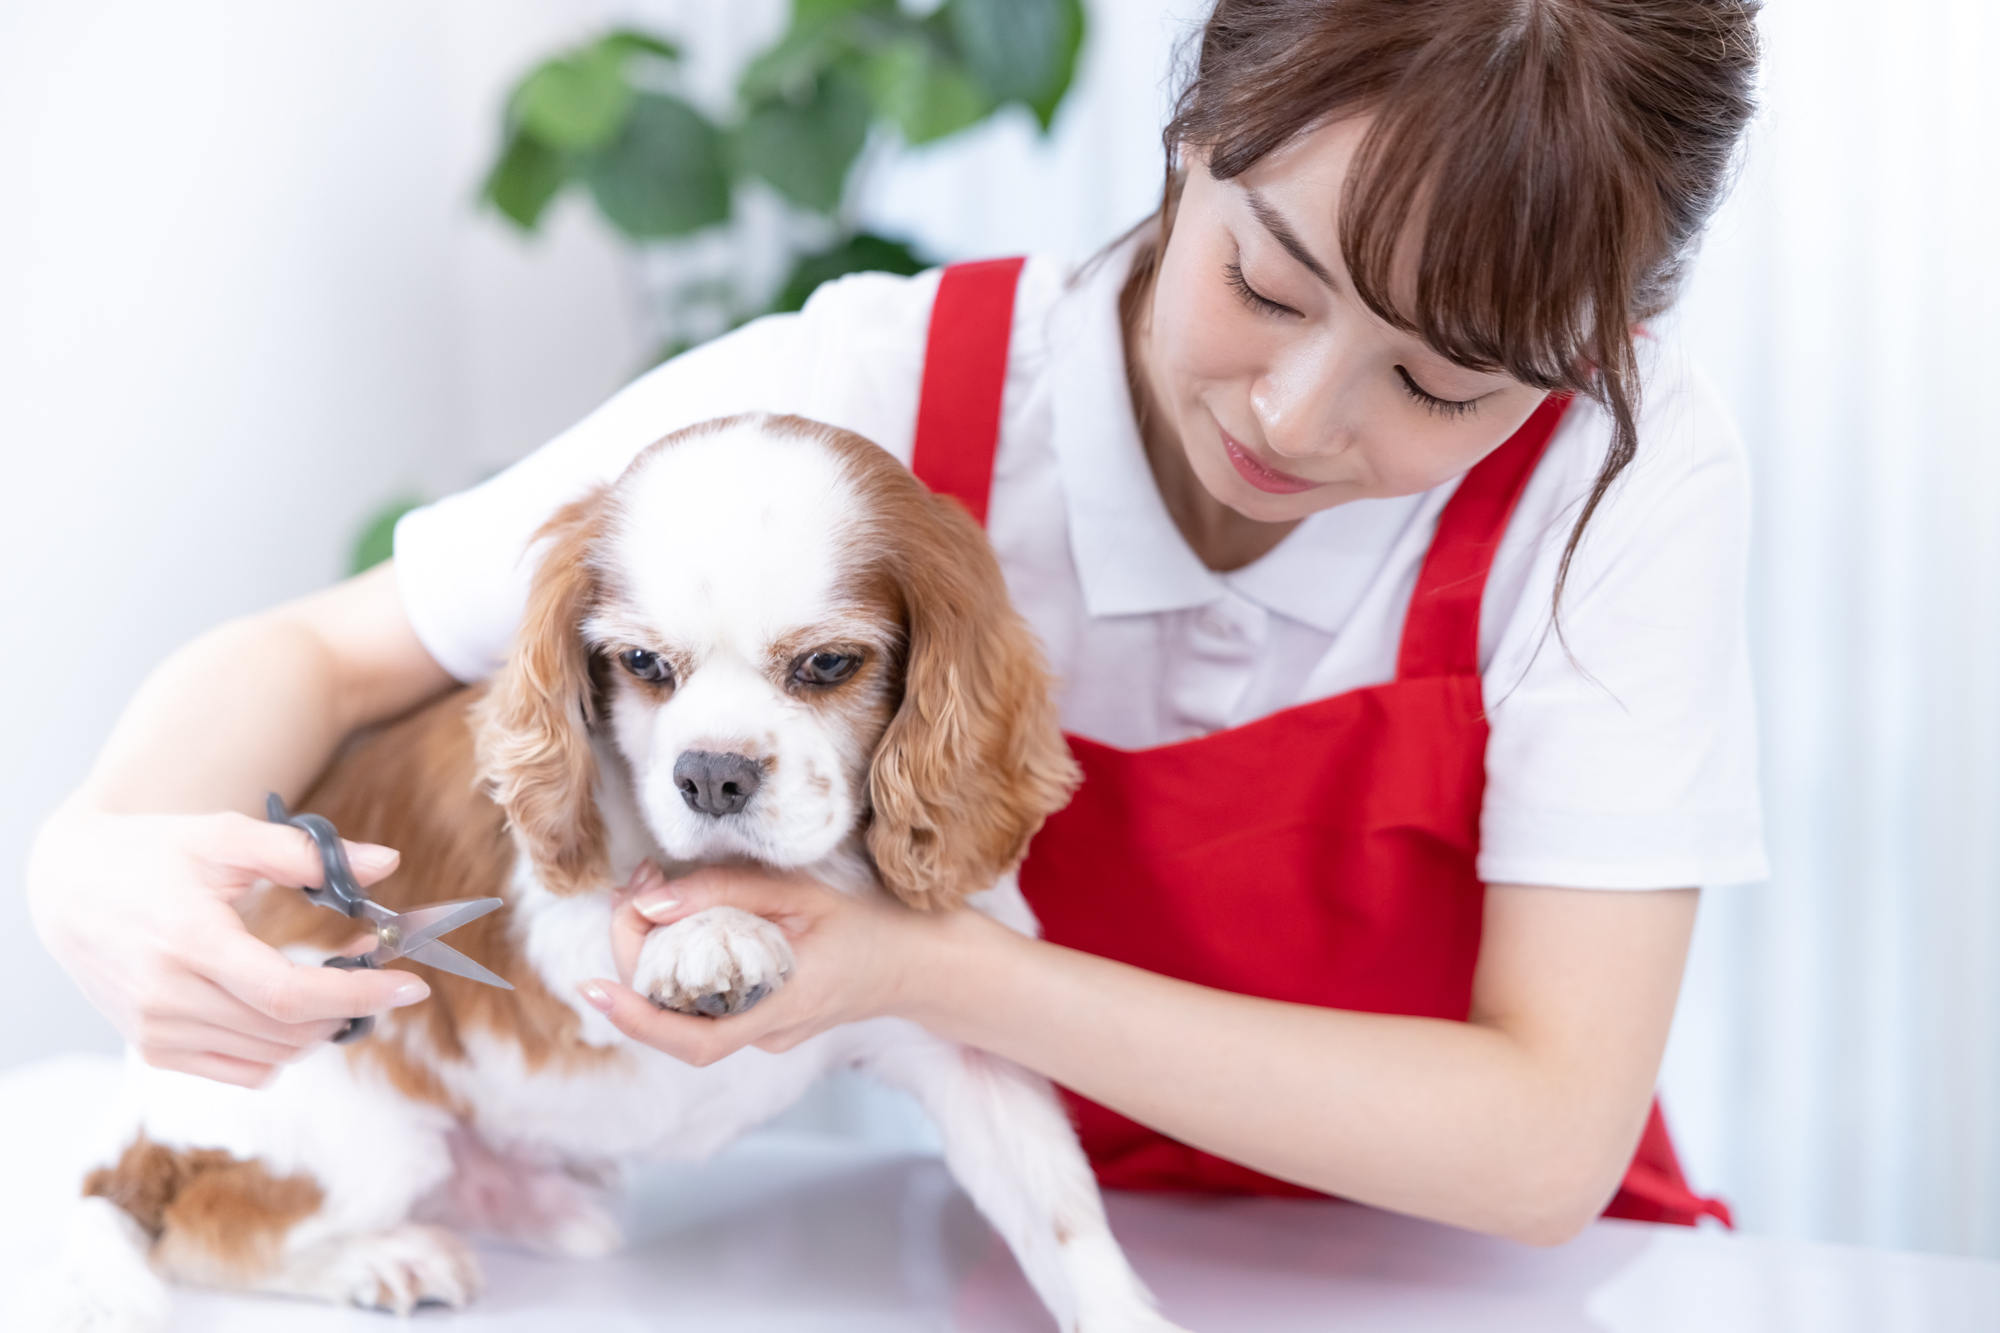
716	962
398	1270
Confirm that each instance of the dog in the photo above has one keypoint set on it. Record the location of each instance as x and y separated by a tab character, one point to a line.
764	642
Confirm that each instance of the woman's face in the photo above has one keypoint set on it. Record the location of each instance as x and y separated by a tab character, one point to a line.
1288	394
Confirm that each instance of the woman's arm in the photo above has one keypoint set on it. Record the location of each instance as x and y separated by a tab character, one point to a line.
131	881
1520	1122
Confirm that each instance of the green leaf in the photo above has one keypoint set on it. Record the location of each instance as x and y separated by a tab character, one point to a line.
804	150
663	175
632	42
577	101
821	11
912	85
377	541
860	253
1019	50
528	175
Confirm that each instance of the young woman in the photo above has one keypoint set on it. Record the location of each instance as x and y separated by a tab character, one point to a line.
1392	573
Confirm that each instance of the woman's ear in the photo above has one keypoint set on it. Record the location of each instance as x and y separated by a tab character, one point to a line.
533	726
974	759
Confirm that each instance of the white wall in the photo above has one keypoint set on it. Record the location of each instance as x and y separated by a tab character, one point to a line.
244	299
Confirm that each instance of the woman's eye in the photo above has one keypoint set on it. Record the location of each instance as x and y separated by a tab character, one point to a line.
645	665
825	668
1253	298
1436	406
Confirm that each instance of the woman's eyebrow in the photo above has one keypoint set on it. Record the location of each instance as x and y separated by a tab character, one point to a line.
1281	230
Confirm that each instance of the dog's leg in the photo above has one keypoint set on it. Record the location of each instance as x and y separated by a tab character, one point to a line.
100	1283
1010	1146
304	1188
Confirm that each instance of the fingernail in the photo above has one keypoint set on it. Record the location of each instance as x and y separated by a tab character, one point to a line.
368	857
409	993
656	906
599	998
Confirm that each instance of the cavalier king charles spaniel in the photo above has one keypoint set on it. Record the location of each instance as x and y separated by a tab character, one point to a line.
764	642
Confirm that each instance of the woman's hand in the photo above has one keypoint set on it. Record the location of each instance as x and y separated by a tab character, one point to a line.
855	957
139	909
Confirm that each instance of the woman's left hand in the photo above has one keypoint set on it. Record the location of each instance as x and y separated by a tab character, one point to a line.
855	958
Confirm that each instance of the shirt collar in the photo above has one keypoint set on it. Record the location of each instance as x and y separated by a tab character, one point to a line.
1130	558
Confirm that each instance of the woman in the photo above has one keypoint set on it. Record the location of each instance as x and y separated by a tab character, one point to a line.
1393	576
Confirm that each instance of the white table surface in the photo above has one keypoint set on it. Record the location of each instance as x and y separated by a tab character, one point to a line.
817	1235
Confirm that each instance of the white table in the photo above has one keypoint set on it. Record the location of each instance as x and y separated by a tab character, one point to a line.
816	1235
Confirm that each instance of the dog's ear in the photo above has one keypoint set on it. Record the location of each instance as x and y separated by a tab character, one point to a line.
974	759
534	724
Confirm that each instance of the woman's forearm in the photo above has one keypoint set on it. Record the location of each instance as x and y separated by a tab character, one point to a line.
1519	1122
260	704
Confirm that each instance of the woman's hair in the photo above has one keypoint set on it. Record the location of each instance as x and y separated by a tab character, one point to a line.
1558	157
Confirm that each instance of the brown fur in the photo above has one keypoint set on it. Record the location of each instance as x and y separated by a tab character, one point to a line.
969	763
534	737
212	1217
973	760
413	786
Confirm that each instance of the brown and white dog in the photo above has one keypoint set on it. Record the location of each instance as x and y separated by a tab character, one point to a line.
766	641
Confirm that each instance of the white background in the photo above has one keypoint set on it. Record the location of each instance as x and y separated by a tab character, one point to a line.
245	297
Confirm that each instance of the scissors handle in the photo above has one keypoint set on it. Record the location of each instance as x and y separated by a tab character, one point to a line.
356	1028
339	889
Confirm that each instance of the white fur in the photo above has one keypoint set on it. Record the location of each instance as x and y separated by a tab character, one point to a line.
724	955
101	1283
723	546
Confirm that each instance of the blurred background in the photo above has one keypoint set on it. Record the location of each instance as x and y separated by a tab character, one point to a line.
251	295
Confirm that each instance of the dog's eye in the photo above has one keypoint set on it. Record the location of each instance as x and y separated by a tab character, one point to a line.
645	665
825	668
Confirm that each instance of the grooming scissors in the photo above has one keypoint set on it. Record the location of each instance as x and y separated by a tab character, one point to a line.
412	935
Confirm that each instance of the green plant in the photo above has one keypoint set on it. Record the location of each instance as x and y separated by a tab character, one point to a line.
604	116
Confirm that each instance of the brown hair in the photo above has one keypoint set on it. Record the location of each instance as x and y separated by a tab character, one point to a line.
1562	157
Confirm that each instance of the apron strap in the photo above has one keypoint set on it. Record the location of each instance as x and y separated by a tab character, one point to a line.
1441	632
965	374
958	434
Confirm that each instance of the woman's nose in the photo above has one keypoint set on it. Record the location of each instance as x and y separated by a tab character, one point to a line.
1298	399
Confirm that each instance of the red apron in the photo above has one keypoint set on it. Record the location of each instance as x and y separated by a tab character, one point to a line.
1323	855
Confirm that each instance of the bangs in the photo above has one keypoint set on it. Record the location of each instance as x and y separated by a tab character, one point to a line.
1534	179
1507	191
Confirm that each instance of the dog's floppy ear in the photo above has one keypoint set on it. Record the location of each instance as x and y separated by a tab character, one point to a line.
534	724
974	758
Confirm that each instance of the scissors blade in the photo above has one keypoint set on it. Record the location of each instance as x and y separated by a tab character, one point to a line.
447	959
412	930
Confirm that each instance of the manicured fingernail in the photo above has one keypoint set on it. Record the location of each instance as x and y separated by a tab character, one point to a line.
368	857
656	906
409	992
599	998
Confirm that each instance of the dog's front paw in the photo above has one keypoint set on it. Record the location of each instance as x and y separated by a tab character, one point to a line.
720	961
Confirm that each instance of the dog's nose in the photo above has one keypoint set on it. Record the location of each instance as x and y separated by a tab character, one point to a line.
716	784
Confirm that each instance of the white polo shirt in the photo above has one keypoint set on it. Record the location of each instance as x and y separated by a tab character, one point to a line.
1622	756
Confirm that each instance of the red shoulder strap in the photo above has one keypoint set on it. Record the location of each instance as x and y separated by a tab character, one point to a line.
1441	634
965	372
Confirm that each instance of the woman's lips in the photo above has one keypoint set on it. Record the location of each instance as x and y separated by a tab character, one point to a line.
1263	478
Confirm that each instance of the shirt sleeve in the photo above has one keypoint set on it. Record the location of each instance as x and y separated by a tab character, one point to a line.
852	358
1623	751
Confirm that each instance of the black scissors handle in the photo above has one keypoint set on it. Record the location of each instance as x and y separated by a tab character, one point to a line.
338	891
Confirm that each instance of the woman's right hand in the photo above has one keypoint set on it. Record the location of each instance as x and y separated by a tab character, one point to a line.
139	909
